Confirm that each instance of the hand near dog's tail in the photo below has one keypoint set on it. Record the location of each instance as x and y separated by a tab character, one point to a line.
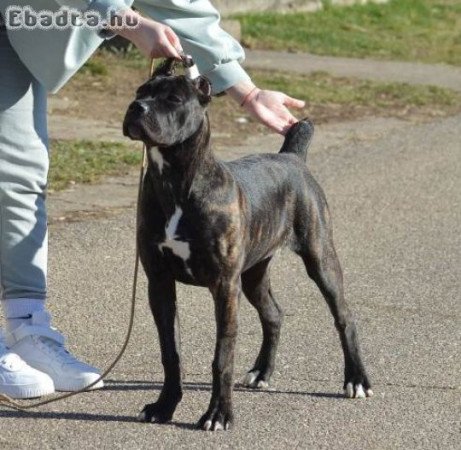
298	138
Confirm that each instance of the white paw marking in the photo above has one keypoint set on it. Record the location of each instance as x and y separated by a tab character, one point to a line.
262	384
142	416
357	391
249	379
157	157
207	425
218	426
178	247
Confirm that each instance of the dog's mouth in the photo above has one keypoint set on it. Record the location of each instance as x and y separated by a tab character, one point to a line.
136	128
133	130
134	125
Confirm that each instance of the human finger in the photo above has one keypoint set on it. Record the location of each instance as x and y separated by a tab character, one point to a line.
174	40
165	49
273	121
293	102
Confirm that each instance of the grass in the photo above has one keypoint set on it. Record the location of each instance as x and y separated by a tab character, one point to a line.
410	30
328	98
87	161
95	68
320	87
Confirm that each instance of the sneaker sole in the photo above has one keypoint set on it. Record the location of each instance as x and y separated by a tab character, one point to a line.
78	387
27	391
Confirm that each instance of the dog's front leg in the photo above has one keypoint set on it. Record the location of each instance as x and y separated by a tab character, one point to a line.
219	415
162	300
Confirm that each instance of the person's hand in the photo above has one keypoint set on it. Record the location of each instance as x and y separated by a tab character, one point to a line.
153	39
271	109
268	107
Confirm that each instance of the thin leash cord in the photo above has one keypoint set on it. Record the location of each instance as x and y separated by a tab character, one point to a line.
12	404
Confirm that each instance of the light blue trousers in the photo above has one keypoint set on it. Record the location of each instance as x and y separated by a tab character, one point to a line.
23	178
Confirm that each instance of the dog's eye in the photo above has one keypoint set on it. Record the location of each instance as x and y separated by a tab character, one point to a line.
173	98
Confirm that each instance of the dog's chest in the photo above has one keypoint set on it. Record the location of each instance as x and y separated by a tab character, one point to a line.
191	243
179	245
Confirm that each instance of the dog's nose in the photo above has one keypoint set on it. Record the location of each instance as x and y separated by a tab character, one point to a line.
138	106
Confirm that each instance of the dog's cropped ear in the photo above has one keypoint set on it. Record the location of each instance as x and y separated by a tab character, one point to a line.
203	85
165	68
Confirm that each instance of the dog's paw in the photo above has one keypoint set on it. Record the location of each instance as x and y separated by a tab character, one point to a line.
254	379
357	390
215	420
156	413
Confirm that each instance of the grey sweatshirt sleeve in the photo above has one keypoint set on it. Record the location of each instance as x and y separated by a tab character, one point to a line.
53	56
196	22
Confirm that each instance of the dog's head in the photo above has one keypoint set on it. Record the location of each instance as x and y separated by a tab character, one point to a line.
168	108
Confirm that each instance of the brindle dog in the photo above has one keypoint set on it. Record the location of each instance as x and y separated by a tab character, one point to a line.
209	223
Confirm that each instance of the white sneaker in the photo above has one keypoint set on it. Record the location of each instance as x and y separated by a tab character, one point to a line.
42	347
18	380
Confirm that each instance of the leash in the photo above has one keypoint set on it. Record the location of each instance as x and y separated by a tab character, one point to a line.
12	404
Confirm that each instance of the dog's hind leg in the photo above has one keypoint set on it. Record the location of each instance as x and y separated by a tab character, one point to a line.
257	288
316	248
162	300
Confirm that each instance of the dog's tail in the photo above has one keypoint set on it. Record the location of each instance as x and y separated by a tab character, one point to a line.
298	138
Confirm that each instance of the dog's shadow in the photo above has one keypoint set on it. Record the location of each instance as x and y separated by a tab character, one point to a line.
138	385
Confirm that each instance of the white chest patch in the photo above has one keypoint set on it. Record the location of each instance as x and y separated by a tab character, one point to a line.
157	158
180	248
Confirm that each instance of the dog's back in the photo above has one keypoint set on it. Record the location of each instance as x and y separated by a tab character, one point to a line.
278	188
264	175
254	169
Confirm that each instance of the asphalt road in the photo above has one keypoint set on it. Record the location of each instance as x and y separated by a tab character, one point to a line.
442	75
395	195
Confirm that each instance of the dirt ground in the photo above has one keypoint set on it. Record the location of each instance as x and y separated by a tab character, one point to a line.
105	96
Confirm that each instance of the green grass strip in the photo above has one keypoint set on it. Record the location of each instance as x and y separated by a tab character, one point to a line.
407	30
86	161
320	87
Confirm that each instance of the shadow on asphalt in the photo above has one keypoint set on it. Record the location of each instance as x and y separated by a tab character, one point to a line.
142	385
85	417
67	416
137	385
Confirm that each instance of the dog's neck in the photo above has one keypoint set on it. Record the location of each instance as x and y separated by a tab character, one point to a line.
184	164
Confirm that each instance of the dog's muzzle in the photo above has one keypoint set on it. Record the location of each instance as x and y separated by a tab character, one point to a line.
133	123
